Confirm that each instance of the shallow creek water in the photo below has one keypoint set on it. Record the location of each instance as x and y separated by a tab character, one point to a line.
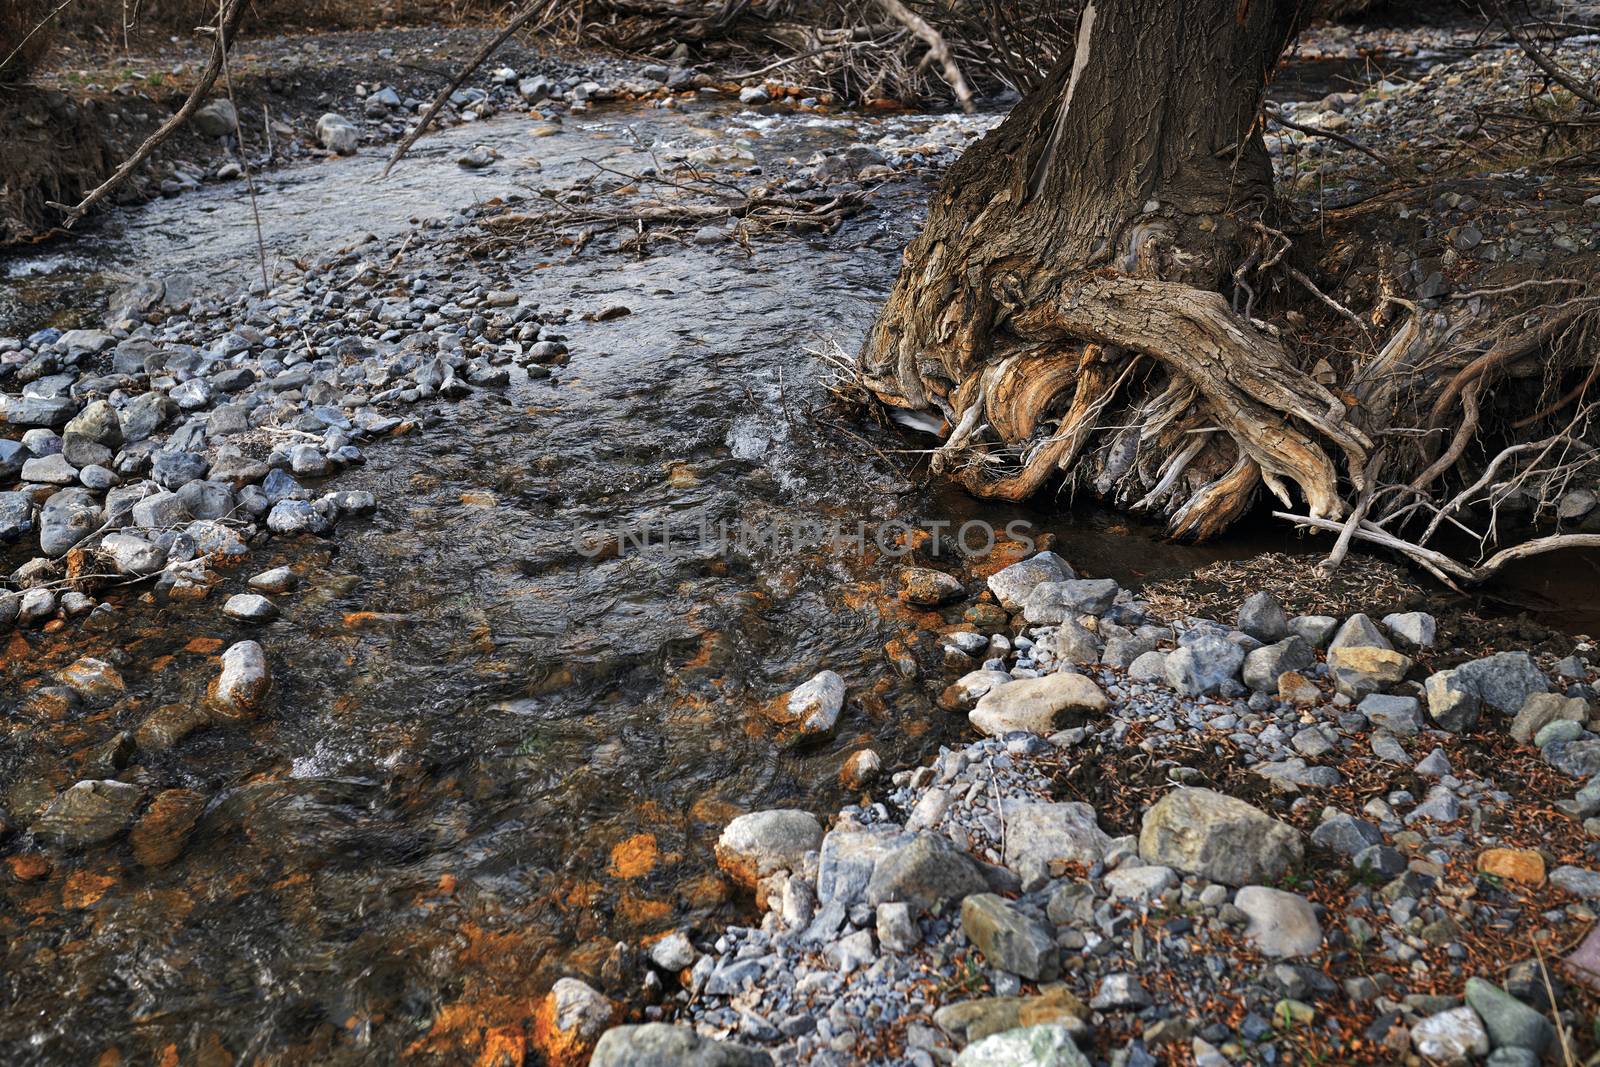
489	757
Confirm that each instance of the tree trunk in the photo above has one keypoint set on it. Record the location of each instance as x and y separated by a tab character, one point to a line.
1063	308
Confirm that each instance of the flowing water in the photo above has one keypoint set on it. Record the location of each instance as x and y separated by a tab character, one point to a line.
489	755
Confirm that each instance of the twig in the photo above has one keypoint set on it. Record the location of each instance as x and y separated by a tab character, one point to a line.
937	48
227	22
244	160
473	64
1313	131
1341	547
790	59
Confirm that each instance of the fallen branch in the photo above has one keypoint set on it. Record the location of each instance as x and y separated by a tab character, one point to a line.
1440	564
227	22
1313	131
527	15
937	48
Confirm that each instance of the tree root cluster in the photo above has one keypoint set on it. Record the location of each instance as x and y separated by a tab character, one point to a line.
1399	425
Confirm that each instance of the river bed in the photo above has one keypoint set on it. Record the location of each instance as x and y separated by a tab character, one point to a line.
490	755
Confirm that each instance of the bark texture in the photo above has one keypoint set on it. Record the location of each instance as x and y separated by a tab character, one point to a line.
1063	307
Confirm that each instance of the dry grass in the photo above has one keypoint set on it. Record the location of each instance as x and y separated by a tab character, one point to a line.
1362	583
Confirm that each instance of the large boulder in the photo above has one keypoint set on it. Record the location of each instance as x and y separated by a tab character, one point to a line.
1032	704
1264	665
66	519
1218	837
662	1045
929	872
1010	939
1205	665
1042	839
1503	681
1045	1045
765	842
1054	602
1012	585
1542	709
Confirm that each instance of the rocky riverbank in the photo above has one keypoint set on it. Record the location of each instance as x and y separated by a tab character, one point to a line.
1269	839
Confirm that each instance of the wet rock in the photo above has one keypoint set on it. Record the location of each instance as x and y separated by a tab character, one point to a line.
1542	709
1042	839
66	519
168	725
160	835
1263	618
337	134
1503	681
927	587
765	842
477	157
241	689
249	607
1451	1037
661	1045
36	605
89	812
132	555
569	1021
1453	702
1033	704
16	516
929	872
95	681
215	118
1218	837
860	769
277	580
1282	925
1012	585
1206	665
810	711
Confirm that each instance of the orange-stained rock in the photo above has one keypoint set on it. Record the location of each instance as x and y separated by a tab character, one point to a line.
635	857
1513	864
1296	688
860	769
83	889
160	835
569	1022
28	867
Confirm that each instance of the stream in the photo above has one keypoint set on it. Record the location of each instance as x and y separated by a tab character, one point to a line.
490	756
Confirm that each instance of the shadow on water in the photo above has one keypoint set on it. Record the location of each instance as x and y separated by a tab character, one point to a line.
490	756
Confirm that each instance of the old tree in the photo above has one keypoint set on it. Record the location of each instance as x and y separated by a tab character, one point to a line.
1108	295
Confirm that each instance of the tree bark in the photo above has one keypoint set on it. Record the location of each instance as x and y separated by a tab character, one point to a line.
1063	307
